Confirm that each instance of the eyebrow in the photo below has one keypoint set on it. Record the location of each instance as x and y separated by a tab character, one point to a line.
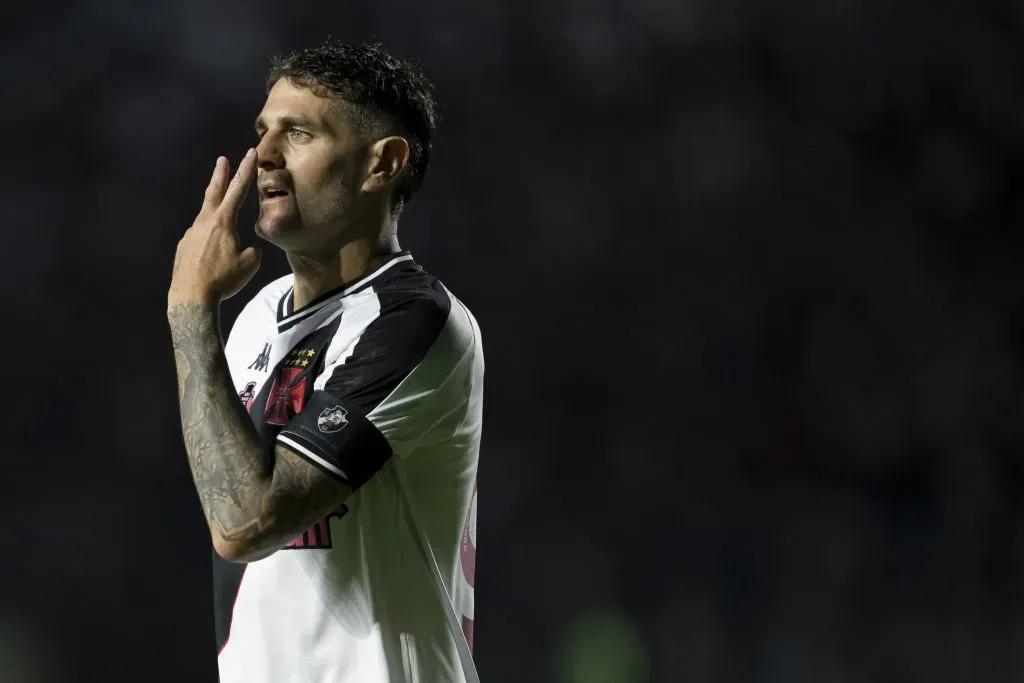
288	122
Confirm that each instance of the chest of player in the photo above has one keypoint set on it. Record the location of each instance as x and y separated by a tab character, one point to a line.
281	376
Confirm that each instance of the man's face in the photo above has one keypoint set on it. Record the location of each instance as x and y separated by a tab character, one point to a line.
309	169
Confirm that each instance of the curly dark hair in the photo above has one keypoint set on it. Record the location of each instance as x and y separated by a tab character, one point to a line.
387	93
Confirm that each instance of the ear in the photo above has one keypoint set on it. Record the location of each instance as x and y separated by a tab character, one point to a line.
386	161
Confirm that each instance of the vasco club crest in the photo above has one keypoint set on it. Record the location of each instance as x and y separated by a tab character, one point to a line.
332	419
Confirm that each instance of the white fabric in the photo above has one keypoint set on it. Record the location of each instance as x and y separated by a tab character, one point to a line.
385	603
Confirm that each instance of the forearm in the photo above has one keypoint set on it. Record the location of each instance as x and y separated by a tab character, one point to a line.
227	456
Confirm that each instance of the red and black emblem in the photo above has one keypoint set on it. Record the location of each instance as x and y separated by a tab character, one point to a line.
287	396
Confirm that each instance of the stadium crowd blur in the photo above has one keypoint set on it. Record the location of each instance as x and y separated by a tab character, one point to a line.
749	281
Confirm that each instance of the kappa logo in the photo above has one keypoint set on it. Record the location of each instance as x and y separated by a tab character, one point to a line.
332	419
262	360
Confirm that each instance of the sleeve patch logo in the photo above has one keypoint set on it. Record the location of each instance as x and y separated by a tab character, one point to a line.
248	394
332	419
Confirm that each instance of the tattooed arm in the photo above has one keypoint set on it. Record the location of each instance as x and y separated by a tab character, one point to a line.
253	507
253	504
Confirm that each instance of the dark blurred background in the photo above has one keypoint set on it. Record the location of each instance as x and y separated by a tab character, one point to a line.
748	277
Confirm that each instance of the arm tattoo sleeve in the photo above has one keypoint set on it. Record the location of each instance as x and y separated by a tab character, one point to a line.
228	459
256	502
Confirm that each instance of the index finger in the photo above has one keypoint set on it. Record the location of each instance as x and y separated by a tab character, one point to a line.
238	188
215	190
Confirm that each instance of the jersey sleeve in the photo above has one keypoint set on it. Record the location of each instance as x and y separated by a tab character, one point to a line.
385	393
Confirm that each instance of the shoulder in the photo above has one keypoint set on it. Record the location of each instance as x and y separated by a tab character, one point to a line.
406	323
418	307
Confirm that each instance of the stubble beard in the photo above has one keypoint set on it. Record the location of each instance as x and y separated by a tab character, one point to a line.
294	233
277	229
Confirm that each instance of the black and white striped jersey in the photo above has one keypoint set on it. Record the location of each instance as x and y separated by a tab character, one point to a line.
380	381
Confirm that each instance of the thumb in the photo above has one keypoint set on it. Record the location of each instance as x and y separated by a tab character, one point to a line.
245	267
249	261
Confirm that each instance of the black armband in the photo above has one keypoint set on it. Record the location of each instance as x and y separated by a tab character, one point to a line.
337	439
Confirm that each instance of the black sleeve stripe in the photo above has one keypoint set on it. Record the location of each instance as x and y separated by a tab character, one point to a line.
391	346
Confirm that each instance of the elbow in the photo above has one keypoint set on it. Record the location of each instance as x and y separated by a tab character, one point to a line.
232	551
240	552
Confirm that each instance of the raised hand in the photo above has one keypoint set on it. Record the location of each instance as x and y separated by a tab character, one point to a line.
208	266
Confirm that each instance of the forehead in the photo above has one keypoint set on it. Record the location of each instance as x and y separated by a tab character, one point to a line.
288	100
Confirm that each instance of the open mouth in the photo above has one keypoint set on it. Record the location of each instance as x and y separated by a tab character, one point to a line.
273	194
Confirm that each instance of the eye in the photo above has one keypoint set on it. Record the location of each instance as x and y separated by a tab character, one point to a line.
297	134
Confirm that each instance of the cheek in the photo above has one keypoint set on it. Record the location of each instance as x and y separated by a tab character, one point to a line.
323	179
336	183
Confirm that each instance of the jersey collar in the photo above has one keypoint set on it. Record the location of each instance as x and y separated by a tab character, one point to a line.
287	317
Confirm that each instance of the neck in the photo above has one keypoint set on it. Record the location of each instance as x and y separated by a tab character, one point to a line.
315	276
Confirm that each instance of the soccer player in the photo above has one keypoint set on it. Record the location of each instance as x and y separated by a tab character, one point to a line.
334	437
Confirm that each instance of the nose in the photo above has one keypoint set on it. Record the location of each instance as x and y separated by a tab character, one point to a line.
268	153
